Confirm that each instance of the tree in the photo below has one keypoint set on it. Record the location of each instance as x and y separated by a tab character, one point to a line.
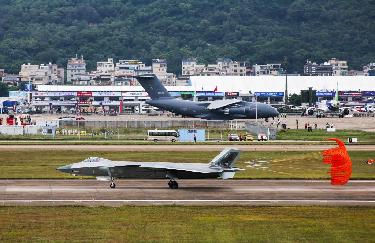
295	99
4	91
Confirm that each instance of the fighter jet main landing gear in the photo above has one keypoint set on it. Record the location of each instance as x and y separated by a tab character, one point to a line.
173	184
112	185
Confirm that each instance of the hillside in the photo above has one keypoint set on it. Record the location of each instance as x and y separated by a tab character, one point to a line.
257	31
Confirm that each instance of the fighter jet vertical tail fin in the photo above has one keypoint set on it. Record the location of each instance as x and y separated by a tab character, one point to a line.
153	86
226	159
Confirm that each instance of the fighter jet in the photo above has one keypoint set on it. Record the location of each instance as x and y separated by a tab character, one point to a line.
222	166
211	110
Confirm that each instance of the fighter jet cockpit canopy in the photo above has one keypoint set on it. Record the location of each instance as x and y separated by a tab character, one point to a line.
95	159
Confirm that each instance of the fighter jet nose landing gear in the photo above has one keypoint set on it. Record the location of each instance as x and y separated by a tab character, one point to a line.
173	184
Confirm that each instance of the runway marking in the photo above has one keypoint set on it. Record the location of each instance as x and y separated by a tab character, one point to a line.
187	201
270	189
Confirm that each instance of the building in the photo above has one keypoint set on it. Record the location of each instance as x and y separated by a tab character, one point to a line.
75	66
268	69
223	67
41	74
159	68
127	99
2	73
339	67
355	73
126	70
314	69
369	69
106	68
11	79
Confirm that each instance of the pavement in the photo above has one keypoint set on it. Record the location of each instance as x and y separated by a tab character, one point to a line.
182	147
191	192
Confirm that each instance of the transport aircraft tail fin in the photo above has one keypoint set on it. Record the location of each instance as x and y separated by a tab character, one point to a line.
226	159
153	86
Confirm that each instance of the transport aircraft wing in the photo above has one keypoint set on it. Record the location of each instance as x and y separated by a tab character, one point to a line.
217	104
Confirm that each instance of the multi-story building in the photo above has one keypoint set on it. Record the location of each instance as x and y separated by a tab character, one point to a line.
126	70
159	68
339	67
268	69
75	66
223	67
314	69
41	74
107	67
369	69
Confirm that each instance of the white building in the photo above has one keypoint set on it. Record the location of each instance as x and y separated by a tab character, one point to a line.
107	67
42	74
223	67
126	70
159	68
126	98
268	69
75	66
339	67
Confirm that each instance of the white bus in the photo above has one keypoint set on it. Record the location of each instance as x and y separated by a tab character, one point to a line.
162	135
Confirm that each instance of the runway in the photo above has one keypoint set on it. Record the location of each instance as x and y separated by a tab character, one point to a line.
191	192
182	147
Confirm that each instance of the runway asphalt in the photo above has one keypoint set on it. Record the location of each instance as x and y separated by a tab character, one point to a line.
191	192
182	147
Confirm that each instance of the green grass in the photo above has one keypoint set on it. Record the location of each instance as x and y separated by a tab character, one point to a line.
320	135
187	224
308	165
138	136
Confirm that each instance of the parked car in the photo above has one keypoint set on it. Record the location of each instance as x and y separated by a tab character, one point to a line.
262	137
233	137
248	137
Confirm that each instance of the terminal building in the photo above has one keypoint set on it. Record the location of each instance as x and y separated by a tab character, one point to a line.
131	99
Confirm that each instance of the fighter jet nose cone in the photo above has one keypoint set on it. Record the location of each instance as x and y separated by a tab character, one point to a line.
65	168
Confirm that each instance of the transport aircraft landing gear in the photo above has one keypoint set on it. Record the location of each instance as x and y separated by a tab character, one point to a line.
173	184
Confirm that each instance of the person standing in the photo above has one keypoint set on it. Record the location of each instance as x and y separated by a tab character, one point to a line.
195	138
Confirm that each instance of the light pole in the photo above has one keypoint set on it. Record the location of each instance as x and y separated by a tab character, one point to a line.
256	109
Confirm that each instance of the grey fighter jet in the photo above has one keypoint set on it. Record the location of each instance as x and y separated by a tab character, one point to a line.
211	110
222	166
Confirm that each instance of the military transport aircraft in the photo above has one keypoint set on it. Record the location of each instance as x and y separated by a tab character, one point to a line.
210	110
222	166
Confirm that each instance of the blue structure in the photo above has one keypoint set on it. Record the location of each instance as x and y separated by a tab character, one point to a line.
187	135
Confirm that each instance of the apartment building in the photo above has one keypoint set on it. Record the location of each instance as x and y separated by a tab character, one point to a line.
339	67
41	74
223	67
268	69
75	66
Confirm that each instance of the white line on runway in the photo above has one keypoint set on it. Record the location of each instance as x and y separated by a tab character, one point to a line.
187	201
260	189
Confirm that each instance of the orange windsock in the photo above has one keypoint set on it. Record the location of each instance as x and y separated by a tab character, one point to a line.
341	165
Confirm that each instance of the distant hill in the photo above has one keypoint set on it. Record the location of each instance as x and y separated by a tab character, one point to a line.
257	31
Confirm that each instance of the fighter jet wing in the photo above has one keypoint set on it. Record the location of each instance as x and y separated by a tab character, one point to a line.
217	104
190	167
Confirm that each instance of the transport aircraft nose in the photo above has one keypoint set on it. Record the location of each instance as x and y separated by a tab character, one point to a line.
65	168
274	112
